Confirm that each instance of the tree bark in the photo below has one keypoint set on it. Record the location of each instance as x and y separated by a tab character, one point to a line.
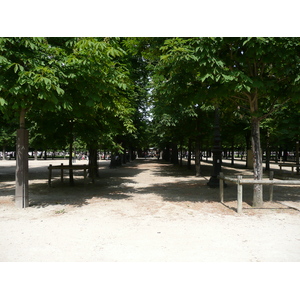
21	192
166	152
232	151
112	160
181	154
71	177
174	156
124	158
297	156
197	158
268	152
257	162
248	146
115	160
3	152
197	147
217	152
93	163
189	153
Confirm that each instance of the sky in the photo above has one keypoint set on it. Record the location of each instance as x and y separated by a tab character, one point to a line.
149	18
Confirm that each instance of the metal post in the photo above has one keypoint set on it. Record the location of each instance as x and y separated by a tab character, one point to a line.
239	195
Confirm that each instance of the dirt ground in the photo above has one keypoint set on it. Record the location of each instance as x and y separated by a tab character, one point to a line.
145	211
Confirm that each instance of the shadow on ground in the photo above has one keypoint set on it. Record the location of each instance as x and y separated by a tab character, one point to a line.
178	184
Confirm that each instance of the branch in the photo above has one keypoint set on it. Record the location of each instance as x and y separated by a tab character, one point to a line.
240	98
262	70
255	68
248	96
273	109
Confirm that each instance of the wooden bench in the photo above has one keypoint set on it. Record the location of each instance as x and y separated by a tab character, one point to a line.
292	165
63	167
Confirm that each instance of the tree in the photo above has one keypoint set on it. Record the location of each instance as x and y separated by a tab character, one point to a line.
139	59
7	136
73	77
282	132
257	82
102	88
242	70
178	94
30	77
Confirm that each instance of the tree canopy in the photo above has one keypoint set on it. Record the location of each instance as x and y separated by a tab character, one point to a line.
133	93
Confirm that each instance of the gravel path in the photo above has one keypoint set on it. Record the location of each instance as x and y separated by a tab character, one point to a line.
145	211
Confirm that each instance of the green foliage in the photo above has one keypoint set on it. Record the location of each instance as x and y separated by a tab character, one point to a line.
93	92
7	134
30	73
121	91
249	77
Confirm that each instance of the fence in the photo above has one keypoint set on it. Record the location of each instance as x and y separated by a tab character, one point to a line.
239	181
297	166
63	167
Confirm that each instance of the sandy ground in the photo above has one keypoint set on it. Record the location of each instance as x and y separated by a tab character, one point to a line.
145	211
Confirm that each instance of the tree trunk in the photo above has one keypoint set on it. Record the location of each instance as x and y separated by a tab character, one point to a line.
189	153
130	154
257	162
116	160
248	146
3	152
297	156
197	147
166	152
276	157
268	152
71	177
285	155
21	192
197	158
217	152
174	156
268	155
93	163
180	162
113	163
140	153
232	152
124	158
